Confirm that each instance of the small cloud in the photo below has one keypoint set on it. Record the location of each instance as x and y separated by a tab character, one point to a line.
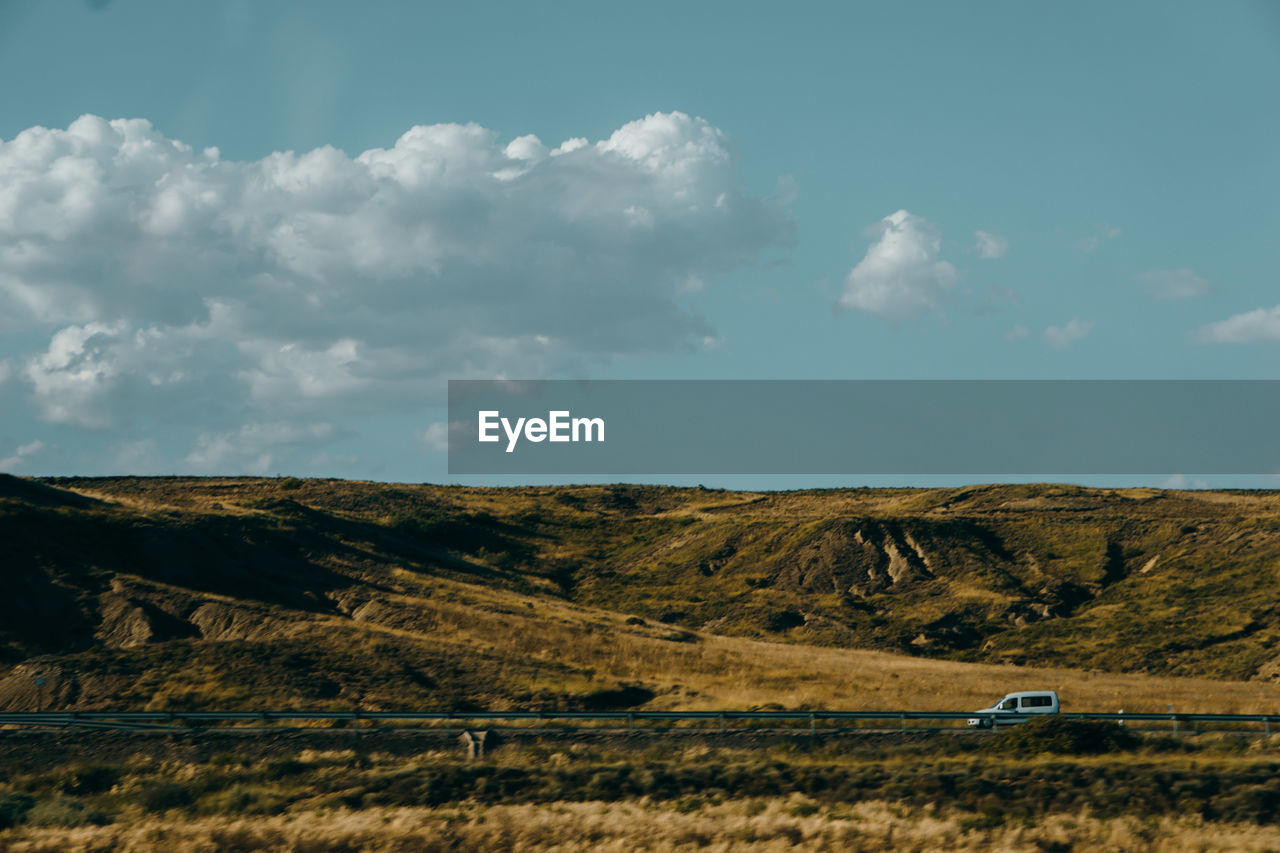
324	460
1102	235
786	190
254	448
19	457
1174	284
901	274
990	246
136	457
1017	333
1065	335
1182	481
436	436
1260	324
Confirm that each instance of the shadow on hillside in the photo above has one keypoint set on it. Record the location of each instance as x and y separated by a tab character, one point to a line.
38	494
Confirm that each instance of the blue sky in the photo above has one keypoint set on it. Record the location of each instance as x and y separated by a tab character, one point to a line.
853	190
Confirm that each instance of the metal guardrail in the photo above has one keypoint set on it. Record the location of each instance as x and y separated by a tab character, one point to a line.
182	720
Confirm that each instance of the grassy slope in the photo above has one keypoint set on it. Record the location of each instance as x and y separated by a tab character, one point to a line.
174	592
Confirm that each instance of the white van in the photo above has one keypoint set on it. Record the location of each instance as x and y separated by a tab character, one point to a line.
1017	708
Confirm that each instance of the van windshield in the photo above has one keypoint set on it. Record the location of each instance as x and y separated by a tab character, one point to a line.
1009	704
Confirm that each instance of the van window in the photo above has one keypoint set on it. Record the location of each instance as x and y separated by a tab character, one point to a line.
1009	704
1037	701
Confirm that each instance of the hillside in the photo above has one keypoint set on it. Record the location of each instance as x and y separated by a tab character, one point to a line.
187	592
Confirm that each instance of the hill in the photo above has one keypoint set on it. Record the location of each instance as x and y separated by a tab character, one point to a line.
234	592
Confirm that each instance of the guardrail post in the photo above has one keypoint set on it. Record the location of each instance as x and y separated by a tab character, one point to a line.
722	728
902	719
1266	723
631	722
813	724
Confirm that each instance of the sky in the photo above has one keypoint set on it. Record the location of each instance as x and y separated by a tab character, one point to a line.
258	238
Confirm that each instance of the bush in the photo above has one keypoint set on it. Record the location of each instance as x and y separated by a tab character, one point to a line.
239	800
64	811
88	779
1063	736
282	768
161	796
14	809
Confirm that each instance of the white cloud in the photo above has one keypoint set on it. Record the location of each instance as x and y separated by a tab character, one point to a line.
1017	333
253	448
136	457
1096	239
1066	334
1260	324
901	275
989	245
436	436
18	459
176	285
1182	481
1174	284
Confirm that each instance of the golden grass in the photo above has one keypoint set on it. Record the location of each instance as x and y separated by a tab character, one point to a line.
718	672
544	645
792	824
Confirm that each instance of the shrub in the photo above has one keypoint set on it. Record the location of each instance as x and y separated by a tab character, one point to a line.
1063	736
14	809
161	796
239	800
282	768
784	620
64	811
88	779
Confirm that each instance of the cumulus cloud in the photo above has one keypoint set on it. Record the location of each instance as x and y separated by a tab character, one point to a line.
1174	284
990	246
17	460
1097	238
1260	324
175	284
1017	333
1067	334
436	436
253	448
901	274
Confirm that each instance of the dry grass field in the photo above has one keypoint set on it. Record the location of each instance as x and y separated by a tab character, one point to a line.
180	593
757	825
227	594
1203	794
